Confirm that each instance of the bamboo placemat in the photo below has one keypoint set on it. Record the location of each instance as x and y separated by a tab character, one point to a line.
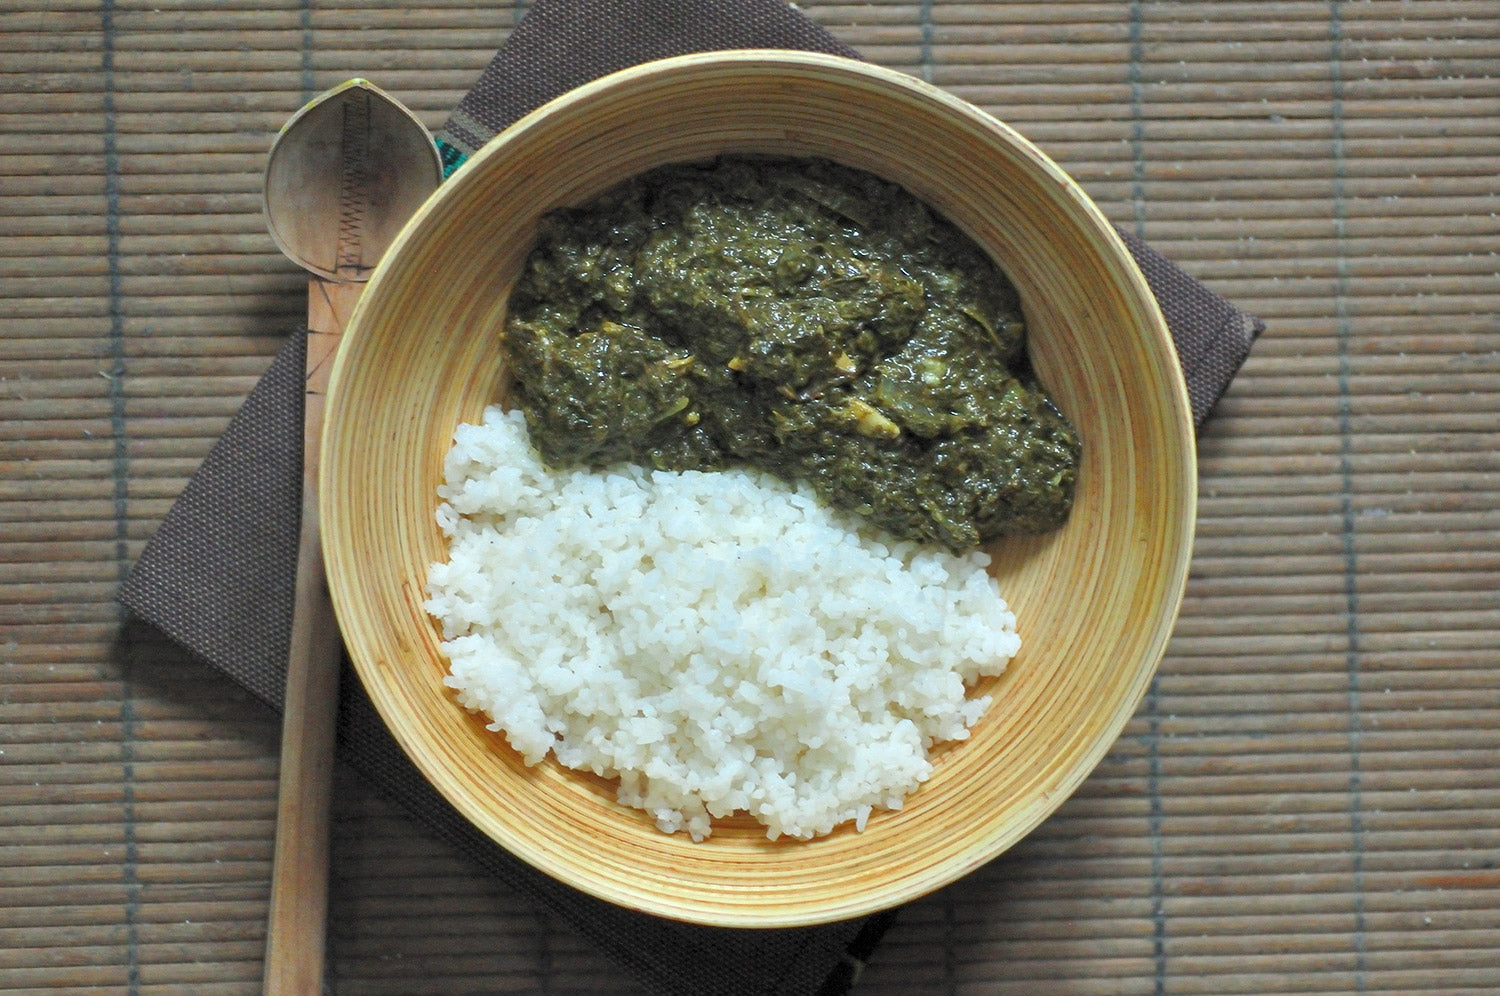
1307	801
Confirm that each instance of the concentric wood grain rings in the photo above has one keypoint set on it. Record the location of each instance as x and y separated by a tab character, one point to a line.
1095	601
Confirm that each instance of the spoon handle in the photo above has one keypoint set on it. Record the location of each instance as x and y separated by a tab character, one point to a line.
295	945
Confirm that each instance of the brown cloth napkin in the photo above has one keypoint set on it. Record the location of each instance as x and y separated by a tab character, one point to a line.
218	576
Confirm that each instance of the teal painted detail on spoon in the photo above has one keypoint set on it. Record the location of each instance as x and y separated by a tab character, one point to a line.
451	156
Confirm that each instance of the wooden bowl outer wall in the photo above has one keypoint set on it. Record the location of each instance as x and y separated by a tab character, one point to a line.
1095	601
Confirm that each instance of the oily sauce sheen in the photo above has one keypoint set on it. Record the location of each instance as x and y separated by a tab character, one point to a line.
800	317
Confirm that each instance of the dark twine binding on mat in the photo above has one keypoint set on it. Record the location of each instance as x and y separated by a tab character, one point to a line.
218	576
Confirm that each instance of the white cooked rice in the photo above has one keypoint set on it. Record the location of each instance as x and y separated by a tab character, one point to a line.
721	642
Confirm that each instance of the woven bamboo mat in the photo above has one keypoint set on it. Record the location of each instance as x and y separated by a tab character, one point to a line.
1306	802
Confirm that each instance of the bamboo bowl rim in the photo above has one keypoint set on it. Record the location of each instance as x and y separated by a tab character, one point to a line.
1095	602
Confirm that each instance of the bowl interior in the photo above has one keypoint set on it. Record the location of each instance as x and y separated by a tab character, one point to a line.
1095	601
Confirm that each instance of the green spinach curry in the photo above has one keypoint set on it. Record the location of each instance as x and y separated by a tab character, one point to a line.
800	317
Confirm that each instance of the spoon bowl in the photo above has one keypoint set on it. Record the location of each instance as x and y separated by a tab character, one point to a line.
343	176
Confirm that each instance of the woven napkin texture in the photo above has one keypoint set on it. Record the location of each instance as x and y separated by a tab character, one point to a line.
218	576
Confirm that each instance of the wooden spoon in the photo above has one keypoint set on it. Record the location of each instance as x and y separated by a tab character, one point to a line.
343	176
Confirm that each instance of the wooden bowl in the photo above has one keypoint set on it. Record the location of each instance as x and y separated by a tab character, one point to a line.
1095	601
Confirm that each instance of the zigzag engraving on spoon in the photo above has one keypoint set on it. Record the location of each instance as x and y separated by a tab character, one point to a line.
352	199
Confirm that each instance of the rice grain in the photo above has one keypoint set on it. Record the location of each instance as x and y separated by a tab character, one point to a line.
720	642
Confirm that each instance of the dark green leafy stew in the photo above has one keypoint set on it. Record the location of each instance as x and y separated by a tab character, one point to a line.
797	316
